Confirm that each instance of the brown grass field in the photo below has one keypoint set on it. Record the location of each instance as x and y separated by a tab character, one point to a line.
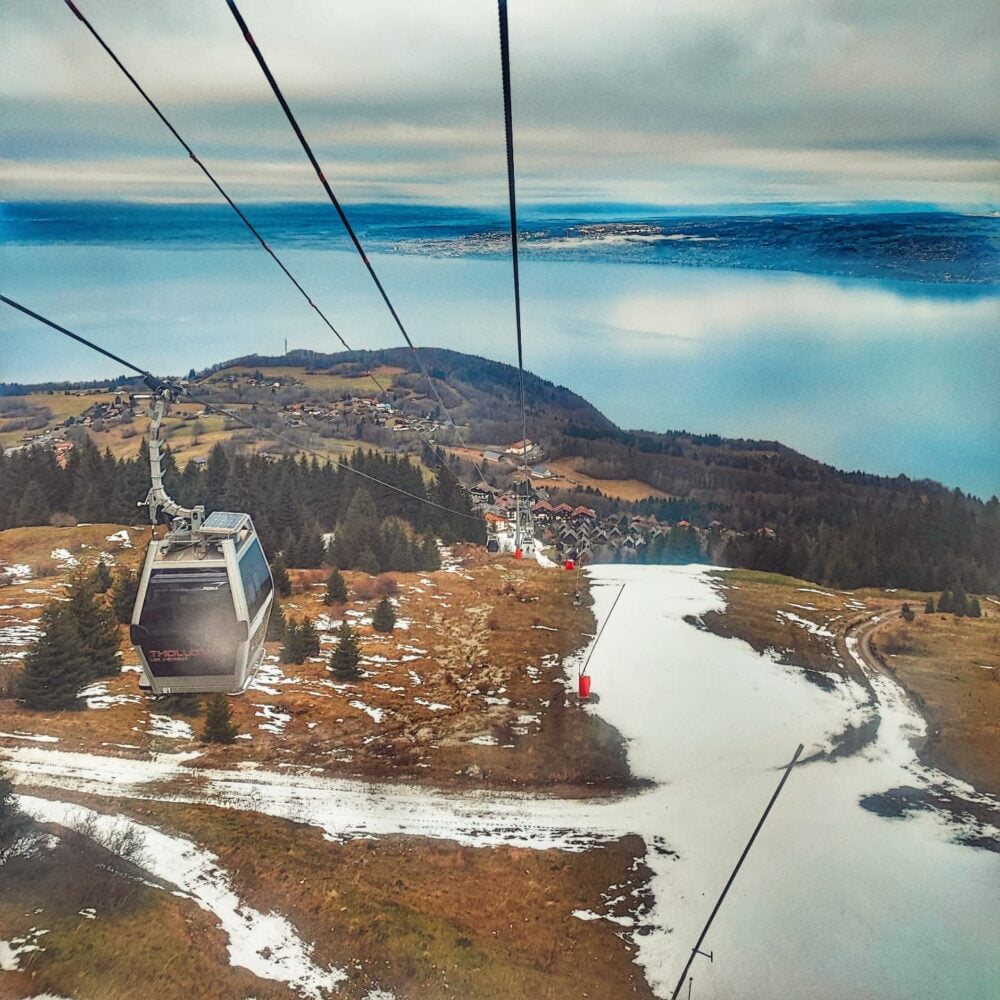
422	918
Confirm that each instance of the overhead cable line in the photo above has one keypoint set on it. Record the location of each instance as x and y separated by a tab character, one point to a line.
153	382
512	199
208	173
242	216
318	170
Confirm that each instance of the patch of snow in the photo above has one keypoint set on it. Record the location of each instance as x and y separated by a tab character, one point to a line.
265	943
812	590
120	536
31	736
64	556
485	741
415	678
96	696
168	728
434	706
377	714
809	626
275	721
17	946
19	573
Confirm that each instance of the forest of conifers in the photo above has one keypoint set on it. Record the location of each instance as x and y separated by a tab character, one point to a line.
293	502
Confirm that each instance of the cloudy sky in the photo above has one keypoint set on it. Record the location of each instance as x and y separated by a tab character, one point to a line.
659	101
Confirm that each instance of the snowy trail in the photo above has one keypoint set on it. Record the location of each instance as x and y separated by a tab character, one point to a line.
834	900
264	943
342	808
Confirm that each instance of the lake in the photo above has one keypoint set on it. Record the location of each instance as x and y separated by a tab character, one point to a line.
889	377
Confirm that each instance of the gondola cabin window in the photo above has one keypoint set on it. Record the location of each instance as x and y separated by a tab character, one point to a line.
189	622
256	577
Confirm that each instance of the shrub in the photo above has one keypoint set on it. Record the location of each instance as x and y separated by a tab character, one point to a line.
384	619
345	658
219	727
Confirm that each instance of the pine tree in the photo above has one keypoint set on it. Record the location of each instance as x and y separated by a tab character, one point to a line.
384	619
101	577
309	639
907	612
13	823
123	594
275	625
291	647
56	667
959	599
97	626
336	588
345	658
973	608
945	603
368	562
219	727
310	550
929	606
430	557
279	573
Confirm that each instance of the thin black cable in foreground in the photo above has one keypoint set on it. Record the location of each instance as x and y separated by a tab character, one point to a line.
243	218
318	170
233	415
210	176
75	336
512	198
600	631
732	878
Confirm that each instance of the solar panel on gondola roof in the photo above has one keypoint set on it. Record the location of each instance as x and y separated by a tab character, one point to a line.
223	522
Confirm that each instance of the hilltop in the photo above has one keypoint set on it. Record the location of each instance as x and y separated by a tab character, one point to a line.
770	506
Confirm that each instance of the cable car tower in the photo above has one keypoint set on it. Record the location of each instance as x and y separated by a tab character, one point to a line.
205	593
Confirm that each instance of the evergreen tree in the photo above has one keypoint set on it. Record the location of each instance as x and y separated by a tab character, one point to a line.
945	604
34	506
309	639
336	588
959	599
974	609
309	549
123	594
384	619
430	557
13	823
97	627
279	573
907	612
368	562
56	667
292	647
101	577
929	606
275	625
345	658
219	727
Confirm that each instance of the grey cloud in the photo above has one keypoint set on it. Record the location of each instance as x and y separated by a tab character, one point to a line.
618	99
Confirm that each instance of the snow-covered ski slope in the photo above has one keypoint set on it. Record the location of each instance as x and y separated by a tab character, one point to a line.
834	900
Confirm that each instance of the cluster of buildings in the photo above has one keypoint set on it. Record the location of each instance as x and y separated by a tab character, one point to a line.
577	533
258	380
517	454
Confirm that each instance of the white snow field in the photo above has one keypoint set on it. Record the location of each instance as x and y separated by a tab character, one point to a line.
834	901
264	943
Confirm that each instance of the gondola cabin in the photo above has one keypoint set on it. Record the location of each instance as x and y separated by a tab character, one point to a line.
202	607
